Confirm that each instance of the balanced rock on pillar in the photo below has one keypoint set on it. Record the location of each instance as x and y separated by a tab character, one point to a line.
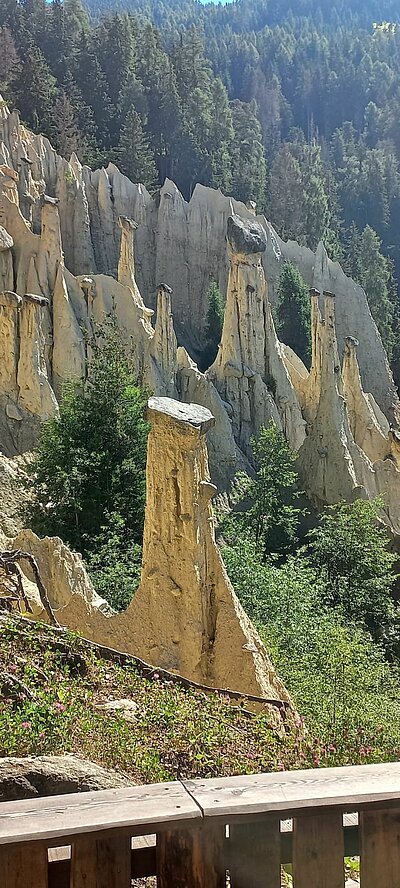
185	615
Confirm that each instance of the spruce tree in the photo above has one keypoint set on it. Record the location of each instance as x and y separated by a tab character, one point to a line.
10	64
285	196
134	155
294	313
248	160
367	264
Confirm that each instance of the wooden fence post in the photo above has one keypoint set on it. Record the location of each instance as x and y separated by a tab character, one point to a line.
192	858
379	848
23	866
255	854
101	863
318	851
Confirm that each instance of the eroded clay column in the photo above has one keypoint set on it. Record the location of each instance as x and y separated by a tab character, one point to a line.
10	305
185	616
164	345
175	569
35	392
126	264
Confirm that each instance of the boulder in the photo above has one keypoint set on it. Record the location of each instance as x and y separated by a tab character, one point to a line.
49	775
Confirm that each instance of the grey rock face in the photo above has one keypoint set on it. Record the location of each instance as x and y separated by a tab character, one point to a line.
245	236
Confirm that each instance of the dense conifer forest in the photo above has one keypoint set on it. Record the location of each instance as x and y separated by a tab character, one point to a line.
293	105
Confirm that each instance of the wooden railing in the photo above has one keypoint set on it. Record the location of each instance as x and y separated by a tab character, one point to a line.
234	831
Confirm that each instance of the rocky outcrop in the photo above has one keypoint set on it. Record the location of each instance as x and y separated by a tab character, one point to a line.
14	496
249	372
225	457
65	226
177	242
62	572
349	450
26	397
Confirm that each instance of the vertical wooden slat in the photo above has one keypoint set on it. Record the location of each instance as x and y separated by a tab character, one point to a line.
101	863
23	866
380	849
191	858
255	855
318	851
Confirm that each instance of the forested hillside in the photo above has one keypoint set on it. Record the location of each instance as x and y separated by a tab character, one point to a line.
293	105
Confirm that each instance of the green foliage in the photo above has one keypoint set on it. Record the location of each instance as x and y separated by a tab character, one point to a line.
272	515
294	312
248	157
350	550
343	687
134	154
89	469
367	265
213	325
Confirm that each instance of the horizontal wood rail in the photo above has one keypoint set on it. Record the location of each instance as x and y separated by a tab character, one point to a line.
234	831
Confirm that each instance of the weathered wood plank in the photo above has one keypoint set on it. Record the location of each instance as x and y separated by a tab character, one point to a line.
139	810
318	851
255	854
380	849
101	863
290	792
24	866
194	859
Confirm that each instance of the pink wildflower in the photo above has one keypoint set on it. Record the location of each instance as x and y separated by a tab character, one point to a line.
26	725
60	707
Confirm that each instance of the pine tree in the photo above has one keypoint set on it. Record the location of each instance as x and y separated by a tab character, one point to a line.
134	154
35	87
294	313
66	133
248	160
162	104
92	83
10	64
315	199
374	272
285	195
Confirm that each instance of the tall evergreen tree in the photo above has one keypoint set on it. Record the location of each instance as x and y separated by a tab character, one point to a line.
248	160
35	87
10	64
294	313
134	154
285	195
367	264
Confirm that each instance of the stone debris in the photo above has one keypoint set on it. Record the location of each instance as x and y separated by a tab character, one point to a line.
125	708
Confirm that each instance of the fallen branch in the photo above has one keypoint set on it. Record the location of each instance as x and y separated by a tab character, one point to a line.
11	681
9	563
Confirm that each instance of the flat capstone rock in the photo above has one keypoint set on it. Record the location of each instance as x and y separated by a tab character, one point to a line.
188	414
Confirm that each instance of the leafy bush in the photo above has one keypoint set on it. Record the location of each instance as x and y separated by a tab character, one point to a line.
339	678
350	550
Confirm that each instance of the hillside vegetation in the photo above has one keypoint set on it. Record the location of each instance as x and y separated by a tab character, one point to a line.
53	688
